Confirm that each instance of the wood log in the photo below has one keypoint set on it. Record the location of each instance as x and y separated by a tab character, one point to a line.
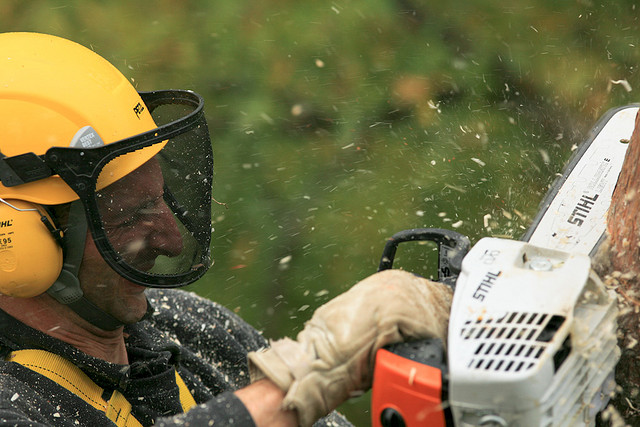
618	263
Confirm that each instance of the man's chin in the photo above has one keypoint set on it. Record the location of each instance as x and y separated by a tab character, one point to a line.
133	302
136	309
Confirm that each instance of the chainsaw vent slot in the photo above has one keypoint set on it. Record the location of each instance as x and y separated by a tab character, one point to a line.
511	343
551	328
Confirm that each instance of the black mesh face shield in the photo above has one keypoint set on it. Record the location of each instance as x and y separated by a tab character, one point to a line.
147	198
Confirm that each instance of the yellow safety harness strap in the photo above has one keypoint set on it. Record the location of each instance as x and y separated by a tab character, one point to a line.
186	398
69	376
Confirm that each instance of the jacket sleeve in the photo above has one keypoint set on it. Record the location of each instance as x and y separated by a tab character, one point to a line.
227	410
224	410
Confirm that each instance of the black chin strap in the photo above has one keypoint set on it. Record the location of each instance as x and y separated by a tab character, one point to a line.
66	289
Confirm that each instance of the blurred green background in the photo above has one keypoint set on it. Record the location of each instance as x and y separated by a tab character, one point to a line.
336	124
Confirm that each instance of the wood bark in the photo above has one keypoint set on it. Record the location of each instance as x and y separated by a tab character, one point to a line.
618	263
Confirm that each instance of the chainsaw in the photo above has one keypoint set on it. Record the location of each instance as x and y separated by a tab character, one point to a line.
532	330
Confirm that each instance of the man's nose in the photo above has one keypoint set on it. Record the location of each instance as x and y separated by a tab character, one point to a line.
166	238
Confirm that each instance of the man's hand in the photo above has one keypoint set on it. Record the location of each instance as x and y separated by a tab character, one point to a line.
333	357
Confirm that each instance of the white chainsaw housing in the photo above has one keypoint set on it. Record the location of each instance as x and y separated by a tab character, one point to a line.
532	338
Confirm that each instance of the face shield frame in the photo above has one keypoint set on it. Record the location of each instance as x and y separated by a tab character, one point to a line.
80	168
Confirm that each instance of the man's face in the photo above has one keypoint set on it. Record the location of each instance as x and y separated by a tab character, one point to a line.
141	227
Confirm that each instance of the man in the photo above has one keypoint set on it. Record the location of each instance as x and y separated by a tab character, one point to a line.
100	203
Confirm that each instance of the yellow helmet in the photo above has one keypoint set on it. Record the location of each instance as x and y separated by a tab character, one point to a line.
50	88
73	128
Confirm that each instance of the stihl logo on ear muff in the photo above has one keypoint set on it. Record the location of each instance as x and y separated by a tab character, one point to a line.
30	256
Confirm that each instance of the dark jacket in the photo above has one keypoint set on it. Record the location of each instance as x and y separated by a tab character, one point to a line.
205	342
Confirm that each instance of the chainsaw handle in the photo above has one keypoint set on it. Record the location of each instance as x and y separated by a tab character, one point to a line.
452	247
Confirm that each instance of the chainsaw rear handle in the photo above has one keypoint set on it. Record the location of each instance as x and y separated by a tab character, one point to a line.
410	379
410	386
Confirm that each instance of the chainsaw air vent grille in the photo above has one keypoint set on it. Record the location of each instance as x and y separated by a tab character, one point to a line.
510	343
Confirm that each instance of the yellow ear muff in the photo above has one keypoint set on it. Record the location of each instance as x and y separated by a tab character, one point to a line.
30	257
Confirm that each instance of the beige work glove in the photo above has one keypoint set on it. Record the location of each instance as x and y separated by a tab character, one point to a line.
333	357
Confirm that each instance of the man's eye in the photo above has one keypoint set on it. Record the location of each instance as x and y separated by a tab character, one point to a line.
150	211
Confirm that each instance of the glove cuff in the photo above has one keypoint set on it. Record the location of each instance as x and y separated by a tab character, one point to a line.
282	363
285	363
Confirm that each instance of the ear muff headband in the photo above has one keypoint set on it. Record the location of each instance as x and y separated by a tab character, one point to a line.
30	257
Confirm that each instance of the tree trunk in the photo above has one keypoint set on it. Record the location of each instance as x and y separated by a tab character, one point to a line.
618	262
